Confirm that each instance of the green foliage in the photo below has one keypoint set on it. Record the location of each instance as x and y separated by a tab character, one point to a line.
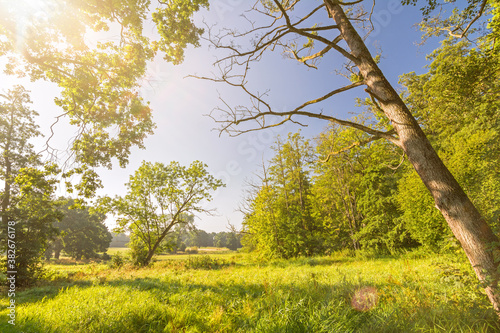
422	220
139	250
67	43
205	262
158	198
279	222
82	231
494	25
98	82
231	240
28	205
192	250
354	190
466	13
349	202
176	27
382	228
366	196
299	295
200	238
117	260
33	209
462	86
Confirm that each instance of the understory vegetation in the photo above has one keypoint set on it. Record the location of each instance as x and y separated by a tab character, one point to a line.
241	293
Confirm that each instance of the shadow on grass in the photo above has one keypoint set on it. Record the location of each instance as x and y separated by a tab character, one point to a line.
277	306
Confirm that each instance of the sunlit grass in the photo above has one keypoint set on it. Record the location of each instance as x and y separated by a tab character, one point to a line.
251	295
115	250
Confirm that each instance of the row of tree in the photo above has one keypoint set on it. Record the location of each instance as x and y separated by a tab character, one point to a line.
184	237
317	196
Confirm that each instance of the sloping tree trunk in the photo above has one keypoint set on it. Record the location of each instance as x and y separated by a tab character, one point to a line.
152	250
466	223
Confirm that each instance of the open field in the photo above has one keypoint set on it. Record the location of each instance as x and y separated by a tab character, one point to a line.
181	255
240	293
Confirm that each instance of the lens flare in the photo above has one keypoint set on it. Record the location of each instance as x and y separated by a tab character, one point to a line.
364	299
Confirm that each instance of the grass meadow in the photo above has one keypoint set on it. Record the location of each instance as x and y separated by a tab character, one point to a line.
231	292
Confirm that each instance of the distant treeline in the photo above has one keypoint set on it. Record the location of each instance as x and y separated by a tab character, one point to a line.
183	238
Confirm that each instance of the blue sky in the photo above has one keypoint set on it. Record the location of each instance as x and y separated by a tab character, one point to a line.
184	134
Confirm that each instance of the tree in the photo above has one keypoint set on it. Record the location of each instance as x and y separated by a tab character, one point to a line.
28	204
181	235
461	83
82	231
337	182
468	226
61	41
158	198
220	239
17	127
34	209
354	190
201	238
280	220
231	240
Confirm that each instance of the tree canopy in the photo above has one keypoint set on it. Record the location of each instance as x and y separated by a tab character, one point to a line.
28	206
158	198
82	232
298	28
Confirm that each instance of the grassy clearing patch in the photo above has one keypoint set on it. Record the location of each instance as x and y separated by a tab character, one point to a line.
115	250
239	293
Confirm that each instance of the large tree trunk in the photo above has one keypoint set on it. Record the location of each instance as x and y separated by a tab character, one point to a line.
466	223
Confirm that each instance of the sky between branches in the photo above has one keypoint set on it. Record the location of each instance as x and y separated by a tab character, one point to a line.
179	104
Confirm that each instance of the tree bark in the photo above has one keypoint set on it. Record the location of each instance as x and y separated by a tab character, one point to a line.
152	250
469	227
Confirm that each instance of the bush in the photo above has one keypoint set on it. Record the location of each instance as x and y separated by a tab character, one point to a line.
105	256
117	260
138	251
205	262
192	250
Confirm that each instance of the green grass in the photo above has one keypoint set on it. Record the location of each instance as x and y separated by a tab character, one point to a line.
244	294
203	250
115	250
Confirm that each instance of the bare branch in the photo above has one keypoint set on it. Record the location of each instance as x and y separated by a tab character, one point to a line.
479	14
303	32
259	112
348	3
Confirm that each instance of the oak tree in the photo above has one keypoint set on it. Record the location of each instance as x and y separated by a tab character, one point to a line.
96	52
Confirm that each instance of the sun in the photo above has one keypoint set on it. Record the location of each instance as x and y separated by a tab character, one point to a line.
20	18
30	9
25	13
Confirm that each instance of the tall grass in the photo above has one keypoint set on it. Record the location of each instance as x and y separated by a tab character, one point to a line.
244	294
